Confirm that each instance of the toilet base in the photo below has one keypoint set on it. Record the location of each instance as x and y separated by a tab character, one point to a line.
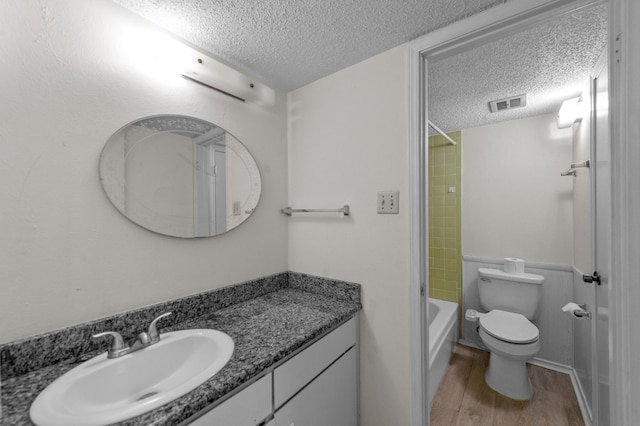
509	377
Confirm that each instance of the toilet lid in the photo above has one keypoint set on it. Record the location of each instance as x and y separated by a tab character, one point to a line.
509	327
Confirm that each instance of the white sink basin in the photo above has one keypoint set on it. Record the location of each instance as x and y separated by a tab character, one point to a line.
102	391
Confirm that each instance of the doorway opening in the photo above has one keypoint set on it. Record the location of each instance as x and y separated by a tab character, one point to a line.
474	34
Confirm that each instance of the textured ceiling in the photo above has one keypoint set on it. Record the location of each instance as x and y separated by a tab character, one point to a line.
289	43
549	63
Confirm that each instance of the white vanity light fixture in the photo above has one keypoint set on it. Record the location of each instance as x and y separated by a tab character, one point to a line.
165	59
215	75
153	54
570	112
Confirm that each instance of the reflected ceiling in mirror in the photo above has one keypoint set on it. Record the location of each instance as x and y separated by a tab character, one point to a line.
180	176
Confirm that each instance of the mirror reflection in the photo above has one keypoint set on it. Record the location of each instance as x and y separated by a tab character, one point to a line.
180	176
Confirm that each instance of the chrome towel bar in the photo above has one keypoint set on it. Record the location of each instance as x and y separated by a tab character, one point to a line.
344	210
584	163
573	167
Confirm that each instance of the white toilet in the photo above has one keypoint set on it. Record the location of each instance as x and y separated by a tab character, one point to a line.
512	300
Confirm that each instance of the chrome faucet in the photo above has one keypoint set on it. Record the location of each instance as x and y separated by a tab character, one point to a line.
119	348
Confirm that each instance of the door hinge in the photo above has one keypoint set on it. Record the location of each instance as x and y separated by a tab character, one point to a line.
422	288
617	48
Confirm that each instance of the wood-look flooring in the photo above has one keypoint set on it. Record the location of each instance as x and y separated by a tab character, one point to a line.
464	398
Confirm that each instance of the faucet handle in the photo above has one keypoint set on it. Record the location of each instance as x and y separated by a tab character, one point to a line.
117	346
154	336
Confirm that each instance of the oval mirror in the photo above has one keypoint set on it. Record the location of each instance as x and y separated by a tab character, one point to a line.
180	176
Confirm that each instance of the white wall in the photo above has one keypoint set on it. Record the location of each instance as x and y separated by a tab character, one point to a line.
516	204
72	74
514	201
348	140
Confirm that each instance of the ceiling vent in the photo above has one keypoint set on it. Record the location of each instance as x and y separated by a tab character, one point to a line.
508	103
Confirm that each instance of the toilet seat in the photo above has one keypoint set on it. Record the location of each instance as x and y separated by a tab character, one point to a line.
509	327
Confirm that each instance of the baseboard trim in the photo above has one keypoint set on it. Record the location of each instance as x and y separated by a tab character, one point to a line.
471	344
550	365
581	397
577	388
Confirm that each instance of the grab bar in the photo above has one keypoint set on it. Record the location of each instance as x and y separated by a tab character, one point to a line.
344	210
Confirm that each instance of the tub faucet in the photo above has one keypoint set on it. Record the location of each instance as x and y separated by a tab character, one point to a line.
119	348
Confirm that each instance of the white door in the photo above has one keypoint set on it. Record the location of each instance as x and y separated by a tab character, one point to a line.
218	189
210	193
601	156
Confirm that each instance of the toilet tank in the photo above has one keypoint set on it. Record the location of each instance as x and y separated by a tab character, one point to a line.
519	293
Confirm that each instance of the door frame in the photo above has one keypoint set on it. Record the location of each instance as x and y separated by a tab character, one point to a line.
624	109
480	29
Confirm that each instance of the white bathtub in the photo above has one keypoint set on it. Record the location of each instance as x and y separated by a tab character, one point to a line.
443	335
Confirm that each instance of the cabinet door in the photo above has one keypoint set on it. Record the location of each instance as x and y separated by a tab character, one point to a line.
289	378
249	407
330	399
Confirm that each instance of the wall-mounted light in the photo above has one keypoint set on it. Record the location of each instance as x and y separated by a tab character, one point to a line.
217	76
165	59
154	55
570	112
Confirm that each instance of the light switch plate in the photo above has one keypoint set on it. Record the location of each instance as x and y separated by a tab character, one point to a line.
388	202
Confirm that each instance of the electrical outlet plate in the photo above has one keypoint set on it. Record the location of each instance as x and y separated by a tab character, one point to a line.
388	202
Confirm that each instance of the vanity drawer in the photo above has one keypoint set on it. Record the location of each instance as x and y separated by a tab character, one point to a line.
248	407
331	399
292	376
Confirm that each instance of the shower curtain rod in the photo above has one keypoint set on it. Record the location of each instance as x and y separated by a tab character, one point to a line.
444	135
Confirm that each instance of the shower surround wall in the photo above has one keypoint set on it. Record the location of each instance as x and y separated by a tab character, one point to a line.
445	218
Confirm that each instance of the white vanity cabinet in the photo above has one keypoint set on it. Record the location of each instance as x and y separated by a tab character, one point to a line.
316	387
249	407
319	386
330	399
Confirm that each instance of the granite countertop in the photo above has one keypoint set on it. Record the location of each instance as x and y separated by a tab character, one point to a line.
265	329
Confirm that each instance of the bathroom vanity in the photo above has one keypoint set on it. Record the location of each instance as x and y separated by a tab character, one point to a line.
318	386
295	359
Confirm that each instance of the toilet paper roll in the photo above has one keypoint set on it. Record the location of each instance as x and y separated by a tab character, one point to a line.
513	265
572	308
